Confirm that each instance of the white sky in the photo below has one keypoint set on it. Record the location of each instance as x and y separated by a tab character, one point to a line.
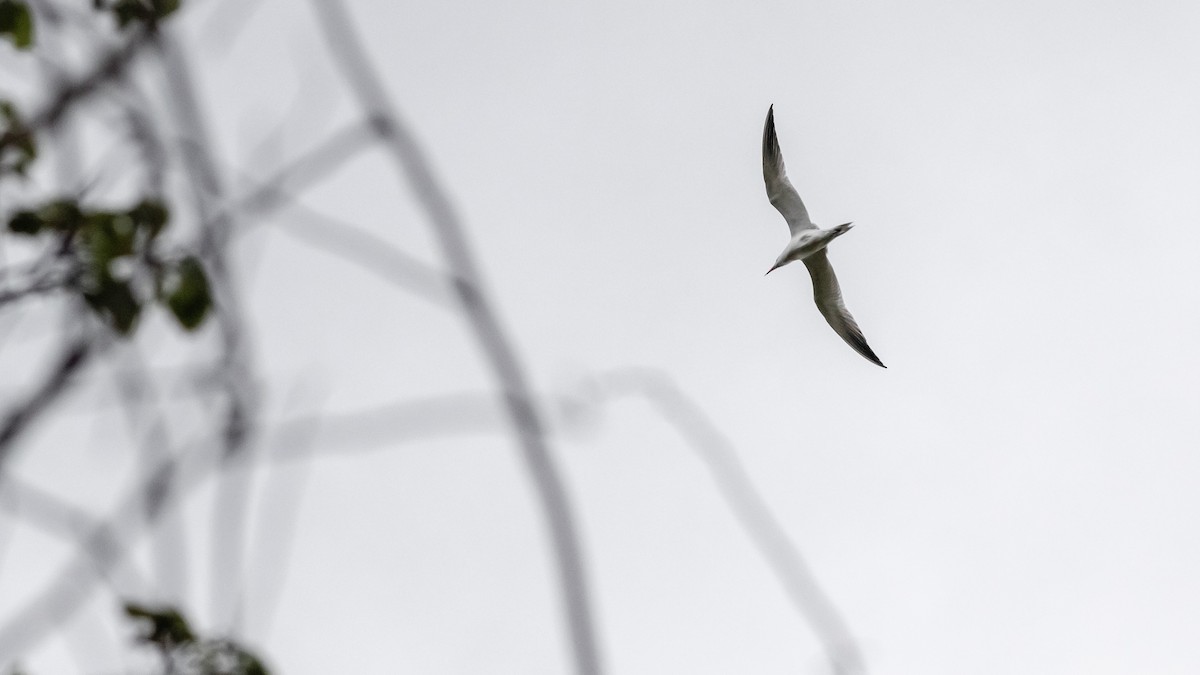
1016	493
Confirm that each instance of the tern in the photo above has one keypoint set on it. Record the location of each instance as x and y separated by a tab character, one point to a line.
808	243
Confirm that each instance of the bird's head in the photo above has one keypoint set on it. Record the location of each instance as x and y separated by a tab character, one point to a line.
778	263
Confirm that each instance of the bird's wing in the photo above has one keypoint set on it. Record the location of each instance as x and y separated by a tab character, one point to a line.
779	189
828	296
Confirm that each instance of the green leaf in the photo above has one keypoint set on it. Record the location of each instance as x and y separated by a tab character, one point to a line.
188	293
18	148
123	231
164	626
16	23
62	215
115	303
150	215
110	234
149	12
25	222
252	666
165	8
99	245
127	13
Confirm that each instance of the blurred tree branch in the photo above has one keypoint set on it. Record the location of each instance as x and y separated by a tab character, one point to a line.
235	365
74	356
54	516
172	478
232	441
346	49
715	449
110	66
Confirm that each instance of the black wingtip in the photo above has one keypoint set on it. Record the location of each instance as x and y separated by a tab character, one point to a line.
859	343
870	354
874	359
770	144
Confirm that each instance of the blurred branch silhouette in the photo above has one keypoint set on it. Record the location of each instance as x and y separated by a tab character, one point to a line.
335	237
47	512
476	413
98	257
346	49
109	66
467	413
24	413
109	266
74	584
119	305
235	366
697	429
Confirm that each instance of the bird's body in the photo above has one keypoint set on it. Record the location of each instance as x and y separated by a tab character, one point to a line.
809	243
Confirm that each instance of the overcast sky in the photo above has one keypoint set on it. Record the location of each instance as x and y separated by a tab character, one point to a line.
1016	493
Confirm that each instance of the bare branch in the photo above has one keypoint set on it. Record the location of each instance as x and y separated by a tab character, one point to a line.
42	509
371	253
108	67
171	478
74	584
74	356
745	502
148	426
146	136
44	283
310	167
410	421
235	367
346	49
332	235
225	23
278	515
59	518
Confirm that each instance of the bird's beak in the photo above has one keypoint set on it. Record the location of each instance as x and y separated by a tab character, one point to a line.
773	268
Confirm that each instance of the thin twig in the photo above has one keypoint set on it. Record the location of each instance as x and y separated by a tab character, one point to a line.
226	23
278	517
330	234
111	65
171	479
54	516
145	418
462	414
371	253
40	508
146	136
43	284
235	367
310	167
747	505
346	48
75	582
74	356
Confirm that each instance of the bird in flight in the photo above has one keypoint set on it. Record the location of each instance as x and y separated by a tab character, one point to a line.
808	243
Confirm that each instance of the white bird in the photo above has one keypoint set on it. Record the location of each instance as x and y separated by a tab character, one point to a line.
808	243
